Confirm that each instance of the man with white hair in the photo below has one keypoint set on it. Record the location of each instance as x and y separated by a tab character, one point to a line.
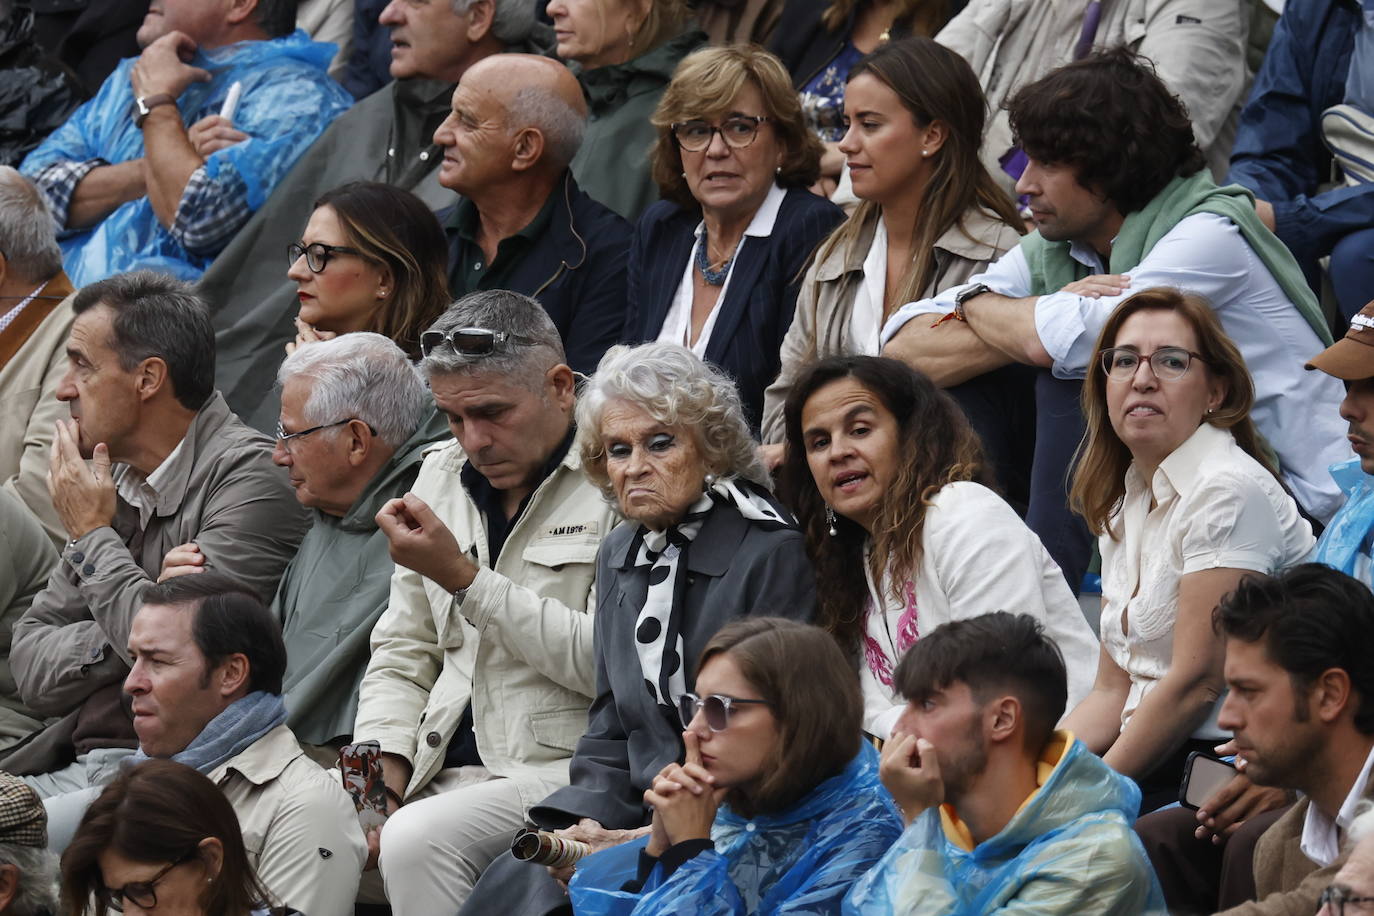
522	223
482	667
34	321
387	136
351	437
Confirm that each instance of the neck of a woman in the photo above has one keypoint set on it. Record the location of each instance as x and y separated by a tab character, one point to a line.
723	232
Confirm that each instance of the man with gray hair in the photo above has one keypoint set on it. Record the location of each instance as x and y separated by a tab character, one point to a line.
28	871
482	666
522	223
387	136
34	320
351	436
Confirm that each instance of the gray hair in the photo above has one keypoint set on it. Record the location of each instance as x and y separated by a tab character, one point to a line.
677	388
361	375
28	235
499	310
37	891
560	123
511	20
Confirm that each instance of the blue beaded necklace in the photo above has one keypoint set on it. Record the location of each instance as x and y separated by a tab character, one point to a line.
713	277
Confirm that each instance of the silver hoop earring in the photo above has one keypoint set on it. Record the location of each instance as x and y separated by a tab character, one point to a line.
830	522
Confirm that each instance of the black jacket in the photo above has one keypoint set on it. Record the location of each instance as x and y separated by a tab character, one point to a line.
761	296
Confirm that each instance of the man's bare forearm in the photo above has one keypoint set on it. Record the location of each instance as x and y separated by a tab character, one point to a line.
169	161
104	188
1008	325
949	353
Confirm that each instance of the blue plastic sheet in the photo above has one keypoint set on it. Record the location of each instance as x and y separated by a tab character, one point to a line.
801	861
288	100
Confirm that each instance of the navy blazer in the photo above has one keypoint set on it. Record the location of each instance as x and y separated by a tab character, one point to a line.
747	339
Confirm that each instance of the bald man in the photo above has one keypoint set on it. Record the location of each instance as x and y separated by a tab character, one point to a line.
522	223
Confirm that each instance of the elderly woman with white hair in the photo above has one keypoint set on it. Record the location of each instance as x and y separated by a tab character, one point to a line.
663	435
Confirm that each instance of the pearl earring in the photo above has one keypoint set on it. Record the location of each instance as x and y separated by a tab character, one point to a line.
708	482
830	522
925	152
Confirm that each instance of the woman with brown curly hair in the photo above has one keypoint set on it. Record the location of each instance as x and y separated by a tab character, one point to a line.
888	483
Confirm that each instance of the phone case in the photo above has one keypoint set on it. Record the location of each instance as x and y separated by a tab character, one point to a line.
1203	774
361	765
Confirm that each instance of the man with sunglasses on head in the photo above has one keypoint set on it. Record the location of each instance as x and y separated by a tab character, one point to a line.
482	666
523	224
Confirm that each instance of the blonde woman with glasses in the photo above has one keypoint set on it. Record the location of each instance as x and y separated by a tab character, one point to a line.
1172	477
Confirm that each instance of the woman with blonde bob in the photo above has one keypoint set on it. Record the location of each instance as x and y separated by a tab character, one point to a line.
716	265
1172	477
931	215
777	801
704	543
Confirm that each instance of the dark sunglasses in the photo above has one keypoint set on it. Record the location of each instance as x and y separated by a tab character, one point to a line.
142	893
470	341
716	708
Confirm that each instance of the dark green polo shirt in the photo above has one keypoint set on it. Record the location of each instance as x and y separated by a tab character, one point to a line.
468	269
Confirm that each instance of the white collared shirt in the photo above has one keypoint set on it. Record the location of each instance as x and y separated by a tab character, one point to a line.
1215	507
142	492
1297	411
1321	836
866	315
677	324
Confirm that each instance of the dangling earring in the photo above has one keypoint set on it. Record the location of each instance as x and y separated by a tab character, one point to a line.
830	522
708	482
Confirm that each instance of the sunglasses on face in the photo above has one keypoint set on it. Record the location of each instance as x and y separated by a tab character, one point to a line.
142	893
715	708
470	341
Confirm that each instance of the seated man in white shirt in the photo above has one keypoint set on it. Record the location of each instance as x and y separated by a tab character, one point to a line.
1300	668
1121	202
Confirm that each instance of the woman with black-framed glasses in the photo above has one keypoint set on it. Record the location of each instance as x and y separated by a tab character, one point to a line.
162	838
1174	479
716	265
777	803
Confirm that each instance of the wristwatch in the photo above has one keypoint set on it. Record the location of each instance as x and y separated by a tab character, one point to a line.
965	295
144	105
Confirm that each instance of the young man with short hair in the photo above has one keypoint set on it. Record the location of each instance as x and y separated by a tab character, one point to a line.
1005	813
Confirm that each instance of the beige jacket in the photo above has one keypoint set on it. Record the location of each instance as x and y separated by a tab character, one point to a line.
820	326
299	827
29	412
1197	46
518	646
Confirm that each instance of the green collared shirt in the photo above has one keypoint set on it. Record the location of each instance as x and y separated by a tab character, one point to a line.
469	270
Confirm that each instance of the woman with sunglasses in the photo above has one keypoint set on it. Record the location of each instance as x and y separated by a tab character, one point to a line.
777	807
371	258
1174	480
704	543
716	264
889	484
162	837
931	216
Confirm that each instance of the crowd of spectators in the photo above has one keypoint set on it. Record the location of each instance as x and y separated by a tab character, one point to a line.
778	456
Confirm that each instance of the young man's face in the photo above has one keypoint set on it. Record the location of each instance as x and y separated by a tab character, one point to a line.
1358	410
951	719
1275	728
1062	208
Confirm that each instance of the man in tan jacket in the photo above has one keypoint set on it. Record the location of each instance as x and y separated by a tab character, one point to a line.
34	320
1300	673
482	667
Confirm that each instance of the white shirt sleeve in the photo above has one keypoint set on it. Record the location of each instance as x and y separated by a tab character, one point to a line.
1009	275
1204	254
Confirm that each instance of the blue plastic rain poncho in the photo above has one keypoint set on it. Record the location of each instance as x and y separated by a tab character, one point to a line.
288	100
1345	544
800	861
1069	850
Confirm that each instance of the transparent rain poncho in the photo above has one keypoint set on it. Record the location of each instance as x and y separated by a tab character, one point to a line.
802	860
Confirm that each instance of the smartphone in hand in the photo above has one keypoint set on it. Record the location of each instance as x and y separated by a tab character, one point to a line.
1203	775
361	765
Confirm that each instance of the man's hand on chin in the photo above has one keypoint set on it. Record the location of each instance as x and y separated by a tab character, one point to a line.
83	495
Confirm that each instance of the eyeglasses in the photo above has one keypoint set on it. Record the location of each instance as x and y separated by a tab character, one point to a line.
470	341
1166	363
715	707
1338	895
284	438
317	254
738	131
142	893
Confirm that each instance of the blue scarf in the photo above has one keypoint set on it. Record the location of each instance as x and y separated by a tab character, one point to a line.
230	733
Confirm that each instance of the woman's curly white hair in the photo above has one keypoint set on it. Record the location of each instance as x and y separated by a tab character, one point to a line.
677	388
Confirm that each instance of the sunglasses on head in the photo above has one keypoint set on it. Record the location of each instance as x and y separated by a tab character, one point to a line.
716	709
470	341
